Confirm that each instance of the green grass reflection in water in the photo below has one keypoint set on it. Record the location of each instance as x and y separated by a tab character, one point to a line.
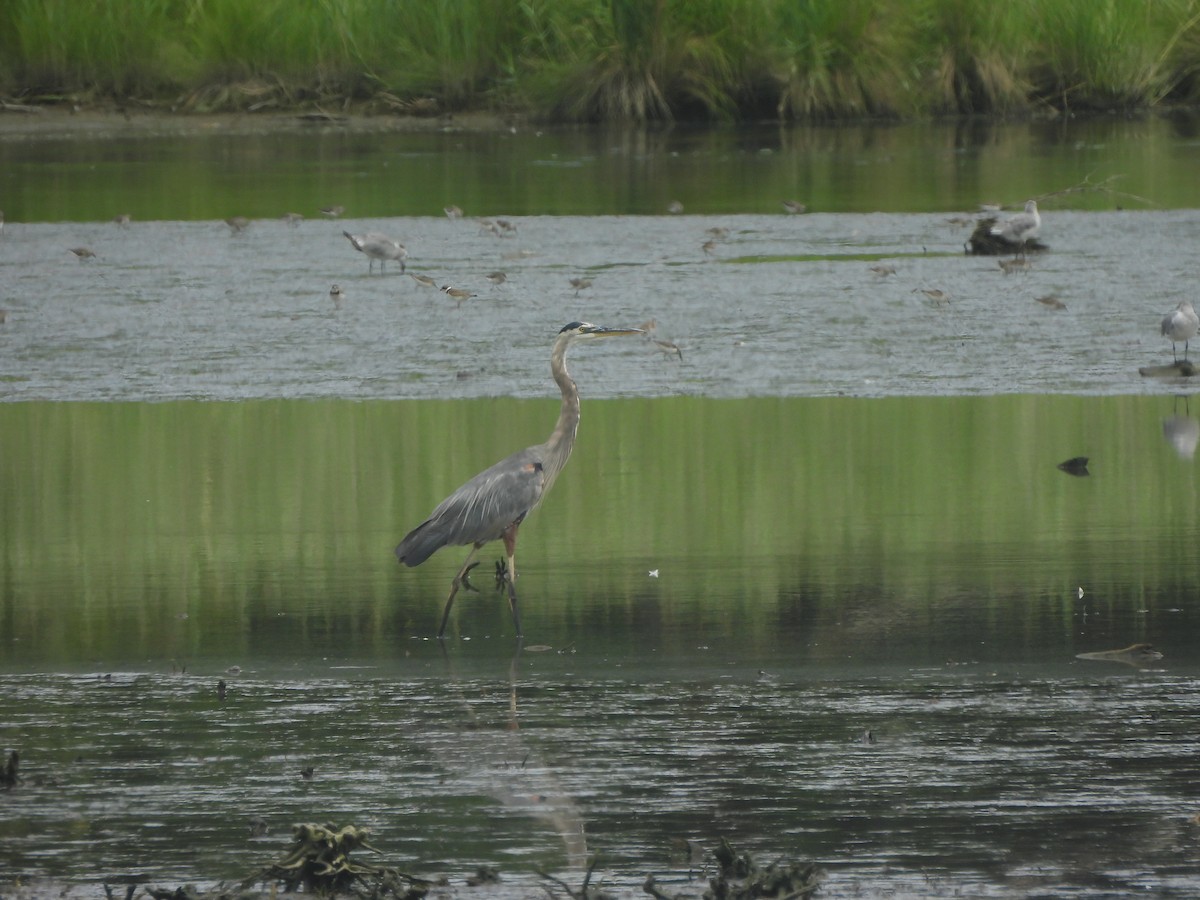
196	531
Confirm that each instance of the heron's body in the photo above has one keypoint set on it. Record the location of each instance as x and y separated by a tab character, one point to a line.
493	504
1020	228
1180	324
377	246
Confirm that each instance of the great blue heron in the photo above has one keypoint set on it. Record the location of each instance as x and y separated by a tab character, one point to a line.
1180	324
494	503
377	246
1020	228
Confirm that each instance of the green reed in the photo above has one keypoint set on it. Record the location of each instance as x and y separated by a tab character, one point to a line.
585	60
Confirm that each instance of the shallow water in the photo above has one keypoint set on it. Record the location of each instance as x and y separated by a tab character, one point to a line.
838	513
782	306
721	597
987	781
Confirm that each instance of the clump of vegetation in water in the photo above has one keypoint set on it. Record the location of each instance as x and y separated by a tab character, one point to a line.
741	878
319	862
590	60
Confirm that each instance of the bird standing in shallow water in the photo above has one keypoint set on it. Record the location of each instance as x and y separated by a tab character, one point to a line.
1020	228
493	504
458	295
1180	324
377	247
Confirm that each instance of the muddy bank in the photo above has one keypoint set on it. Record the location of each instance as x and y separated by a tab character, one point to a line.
38	122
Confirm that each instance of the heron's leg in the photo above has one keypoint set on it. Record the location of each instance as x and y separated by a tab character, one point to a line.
454	585
510	551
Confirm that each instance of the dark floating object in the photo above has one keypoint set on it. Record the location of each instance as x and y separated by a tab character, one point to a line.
1076	465
983	242
1133	655
484	875
8	775
1180	368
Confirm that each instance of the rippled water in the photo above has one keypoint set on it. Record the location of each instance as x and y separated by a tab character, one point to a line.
984	781
781	306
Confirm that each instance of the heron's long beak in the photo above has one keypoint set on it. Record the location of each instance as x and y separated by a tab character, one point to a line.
600	331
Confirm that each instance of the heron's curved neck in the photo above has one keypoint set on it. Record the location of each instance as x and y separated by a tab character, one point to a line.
562	439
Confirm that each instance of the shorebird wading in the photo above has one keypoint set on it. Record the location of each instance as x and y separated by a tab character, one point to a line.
377	247
1180	324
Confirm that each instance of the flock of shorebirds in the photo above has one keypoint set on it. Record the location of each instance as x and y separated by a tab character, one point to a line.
382	248
1180	325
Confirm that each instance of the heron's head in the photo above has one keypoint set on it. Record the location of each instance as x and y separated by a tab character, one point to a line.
576	330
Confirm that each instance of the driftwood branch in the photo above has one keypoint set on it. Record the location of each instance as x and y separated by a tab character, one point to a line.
1087	186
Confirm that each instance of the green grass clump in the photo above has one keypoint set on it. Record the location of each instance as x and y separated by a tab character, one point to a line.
843	58
604	60
974	56
639	60
1103	53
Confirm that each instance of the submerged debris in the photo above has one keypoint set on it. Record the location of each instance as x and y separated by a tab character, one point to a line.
741	878
319	862
1134	655
8	774
585	892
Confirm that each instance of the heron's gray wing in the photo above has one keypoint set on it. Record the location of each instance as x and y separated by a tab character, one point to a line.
481	509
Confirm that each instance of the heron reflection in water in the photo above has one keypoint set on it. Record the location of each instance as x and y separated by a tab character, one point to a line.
493	504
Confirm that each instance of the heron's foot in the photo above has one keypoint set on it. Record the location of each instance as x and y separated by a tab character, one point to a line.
466	578
502	579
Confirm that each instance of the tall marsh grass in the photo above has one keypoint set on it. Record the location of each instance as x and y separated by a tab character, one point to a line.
587	60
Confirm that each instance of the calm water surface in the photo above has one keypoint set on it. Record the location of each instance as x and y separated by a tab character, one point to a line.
838	513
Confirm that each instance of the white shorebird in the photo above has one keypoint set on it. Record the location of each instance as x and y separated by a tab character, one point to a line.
1181	324
377	247
1019	228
